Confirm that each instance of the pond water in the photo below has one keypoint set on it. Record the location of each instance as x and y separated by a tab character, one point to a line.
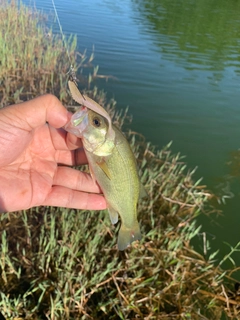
177	67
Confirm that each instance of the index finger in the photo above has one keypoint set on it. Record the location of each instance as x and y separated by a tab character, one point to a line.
36	112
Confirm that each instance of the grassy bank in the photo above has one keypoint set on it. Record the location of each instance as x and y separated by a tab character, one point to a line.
63	264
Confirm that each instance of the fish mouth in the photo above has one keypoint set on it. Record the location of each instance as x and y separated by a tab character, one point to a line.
78	122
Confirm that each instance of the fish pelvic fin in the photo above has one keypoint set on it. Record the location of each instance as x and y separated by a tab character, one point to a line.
127	235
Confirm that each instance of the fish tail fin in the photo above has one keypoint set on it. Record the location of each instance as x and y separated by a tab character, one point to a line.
127	235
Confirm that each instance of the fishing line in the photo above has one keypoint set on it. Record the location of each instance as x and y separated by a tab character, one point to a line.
71	72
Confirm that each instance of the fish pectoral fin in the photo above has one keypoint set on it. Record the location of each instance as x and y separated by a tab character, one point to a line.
102	164
113	215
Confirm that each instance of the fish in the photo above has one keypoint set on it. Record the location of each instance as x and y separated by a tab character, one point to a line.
112	165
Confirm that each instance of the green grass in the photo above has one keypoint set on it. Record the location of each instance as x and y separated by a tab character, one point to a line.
63	264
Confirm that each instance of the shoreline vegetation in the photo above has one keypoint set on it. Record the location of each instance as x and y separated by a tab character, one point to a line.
63	264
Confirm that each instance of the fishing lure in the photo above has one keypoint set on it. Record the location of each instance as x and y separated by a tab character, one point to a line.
92	105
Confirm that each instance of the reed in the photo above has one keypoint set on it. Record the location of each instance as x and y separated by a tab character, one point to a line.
63	264
33	59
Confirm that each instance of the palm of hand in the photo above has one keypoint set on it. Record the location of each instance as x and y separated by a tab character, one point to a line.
29	175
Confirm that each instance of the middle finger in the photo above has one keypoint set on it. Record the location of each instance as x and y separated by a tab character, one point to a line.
71	158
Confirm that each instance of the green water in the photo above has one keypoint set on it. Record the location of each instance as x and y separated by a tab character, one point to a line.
177	65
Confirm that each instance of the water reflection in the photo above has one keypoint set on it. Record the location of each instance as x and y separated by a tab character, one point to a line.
203	33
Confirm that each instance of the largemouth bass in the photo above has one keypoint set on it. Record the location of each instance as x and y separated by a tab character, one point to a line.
113	165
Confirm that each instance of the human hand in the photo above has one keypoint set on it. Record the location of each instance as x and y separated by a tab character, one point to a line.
34	159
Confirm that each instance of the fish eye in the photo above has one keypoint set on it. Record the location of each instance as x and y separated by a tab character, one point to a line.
96	122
